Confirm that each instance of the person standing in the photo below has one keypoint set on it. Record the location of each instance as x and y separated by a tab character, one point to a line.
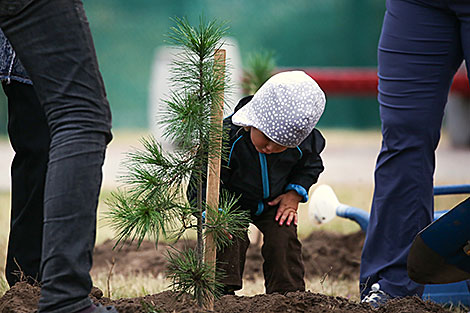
422	44
29	137
53	41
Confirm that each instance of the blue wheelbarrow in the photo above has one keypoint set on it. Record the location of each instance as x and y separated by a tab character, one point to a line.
324	206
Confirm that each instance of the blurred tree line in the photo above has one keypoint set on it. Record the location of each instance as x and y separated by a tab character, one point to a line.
301	33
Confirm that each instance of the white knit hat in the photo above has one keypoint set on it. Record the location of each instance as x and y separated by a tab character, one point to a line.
286	108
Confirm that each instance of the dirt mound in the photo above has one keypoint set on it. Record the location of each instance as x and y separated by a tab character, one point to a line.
334	254
129	259
315	302
23	298
323	253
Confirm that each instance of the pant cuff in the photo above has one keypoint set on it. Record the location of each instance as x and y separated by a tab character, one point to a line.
74	307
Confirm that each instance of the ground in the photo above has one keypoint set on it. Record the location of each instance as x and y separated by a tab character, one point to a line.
324	253
334	254
22	298
349	159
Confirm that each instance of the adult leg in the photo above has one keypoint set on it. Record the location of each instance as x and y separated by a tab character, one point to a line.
462	10
54	43
283	267
29	137
419	52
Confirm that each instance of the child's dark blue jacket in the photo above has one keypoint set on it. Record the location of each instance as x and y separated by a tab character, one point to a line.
259	178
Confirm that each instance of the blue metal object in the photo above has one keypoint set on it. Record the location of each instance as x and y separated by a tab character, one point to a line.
451	190
357	215
453	293
362	217
449	234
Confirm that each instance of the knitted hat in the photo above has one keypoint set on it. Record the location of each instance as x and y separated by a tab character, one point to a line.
286	108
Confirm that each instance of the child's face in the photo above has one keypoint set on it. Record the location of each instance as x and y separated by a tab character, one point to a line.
263	144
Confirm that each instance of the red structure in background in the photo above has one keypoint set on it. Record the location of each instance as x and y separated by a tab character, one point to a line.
363	81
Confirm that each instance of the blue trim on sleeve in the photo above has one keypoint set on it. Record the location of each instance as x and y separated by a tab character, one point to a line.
231	150
300	190
301	153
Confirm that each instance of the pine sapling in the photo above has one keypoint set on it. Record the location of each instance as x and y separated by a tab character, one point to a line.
153	203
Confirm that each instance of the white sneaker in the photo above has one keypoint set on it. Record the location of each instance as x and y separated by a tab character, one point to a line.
376	297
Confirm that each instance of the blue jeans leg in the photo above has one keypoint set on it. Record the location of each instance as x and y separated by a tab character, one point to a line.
419	52
54	43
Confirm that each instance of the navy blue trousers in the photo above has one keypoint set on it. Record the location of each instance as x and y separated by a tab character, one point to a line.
422	44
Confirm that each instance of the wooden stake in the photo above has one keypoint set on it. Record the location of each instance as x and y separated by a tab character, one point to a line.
213	170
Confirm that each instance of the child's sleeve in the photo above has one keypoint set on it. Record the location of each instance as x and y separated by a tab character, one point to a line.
307	171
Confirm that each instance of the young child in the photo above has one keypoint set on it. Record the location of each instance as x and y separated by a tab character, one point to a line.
274	159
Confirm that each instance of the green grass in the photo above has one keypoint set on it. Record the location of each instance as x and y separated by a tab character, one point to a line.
117	286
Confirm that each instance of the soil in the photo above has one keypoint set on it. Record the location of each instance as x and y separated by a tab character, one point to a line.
324	253
22	298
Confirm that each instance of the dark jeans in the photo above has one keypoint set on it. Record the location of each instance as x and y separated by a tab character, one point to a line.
29	137
283	267
54	43
423	43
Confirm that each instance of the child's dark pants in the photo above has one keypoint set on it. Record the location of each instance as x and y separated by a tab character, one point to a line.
283	267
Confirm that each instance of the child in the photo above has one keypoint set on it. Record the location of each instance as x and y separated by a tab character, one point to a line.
274	159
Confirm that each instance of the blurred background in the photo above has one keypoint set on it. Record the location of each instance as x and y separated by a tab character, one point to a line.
335	41
299	33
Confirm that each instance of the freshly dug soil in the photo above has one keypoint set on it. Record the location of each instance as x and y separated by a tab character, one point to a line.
324	253
23	298
334	254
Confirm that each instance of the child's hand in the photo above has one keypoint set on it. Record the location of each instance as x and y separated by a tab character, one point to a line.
288	205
